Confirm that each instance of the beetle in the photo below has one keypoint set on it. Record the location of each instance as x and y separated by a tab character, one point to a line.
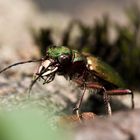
89	72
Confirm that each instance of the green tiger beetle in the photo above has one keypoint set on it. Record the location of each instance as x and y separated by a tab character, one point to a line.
87	71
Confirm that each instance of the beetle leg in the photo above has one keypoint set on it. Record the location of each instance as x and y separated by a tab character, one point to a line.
107	103
105	95
123	92
78	104
100	87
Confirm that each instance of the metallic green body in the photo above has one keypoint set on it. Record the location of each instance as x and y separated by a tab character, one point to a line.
55	52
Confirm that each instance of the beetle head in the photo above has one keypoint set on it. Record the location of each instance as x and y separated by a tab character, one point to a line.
56	59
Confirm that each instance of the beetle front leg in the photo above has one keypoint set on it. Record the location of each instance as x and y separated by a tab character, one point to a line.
123	92
78	104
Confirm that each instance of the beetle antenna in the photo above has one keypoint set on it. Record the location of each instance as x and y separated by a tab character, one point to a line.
19	63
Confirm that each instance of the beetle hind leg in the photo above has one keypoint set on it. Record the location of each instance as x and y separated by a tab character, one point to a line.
107	103
123	92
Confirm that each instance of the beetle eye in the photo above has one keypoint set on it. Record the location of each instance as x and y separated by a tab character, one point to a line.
64	59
